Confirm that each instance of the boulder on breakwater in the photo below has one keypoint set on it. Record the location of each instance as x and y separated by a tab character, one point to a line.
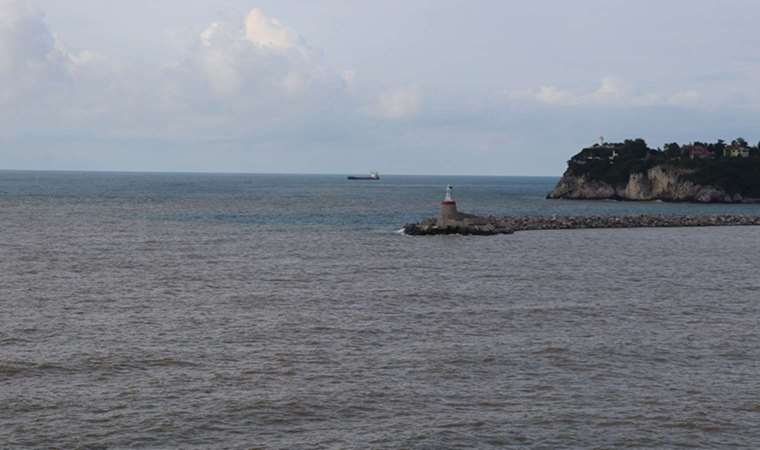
487	226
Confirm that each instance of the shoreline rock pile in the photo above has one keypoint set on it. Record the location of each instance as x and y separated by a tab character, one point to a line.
488	226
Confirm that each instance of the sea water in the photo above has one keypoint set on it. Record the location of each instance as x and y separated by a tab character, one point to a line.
284	311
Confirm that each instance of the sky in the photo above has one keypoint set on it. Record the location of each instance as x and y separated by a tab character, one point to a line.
340	86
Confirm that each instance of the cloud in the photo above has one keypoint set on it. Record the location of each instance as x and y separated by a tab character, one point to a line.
611	92
243	80
231	80
685	98
264	31
259	63
31	60
43	85
256	76
349	77
235	60
397	103
553	96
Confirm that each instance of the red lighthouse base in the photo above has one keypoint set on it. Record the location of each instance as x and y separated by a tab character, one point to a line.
448	213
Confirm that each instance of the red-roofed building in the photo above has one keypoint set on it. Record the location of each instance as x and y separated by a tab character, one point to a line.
698	152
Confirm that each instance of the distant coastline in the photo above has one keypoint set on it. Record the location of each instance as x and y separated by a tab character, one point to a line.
699	172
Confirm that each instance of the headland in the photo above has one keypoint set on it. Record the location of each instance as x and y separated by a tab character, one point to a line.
698	172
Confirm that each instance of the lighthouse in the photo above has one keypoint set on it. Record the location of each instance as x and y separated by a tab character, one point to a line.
448	208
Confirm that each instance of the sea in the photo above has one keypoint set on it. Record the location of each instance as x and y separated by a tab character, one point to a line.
233	311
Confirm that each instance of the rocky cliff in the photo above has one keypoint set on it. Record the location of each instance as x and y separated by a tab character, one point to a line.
661	182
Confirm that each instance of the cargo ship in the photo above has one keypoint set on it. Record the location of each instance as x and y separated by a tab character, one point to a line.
371	176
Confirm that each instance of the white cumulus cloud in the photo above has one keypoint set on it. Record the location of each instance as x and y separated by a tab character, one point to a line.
611	92
268	32
44	85
31	60
260	59
229	80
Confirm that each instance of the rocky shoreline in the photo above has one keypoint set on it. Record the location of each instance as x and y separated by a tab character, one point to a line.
664	183
487	226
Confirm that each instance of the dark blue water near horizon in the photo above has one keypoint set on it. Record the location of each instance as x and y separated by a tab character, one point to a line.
146	310
327	199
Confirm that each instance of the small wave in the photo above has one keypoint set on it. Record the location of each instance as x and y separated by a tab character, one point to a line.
121	364
465	424
754	407
616	423
11	369
13	340
550	351
20	368
168	362
694	425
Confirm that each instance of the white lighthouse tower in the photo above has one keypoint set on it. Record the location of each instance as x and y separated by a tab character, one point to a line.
449	211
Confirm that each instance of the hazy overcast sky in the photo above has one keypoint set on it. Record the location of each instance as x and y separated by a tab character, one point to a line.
337	86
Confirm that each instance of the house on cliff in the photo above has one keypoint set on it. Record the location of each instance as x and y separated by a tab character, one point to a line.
736	152
698	151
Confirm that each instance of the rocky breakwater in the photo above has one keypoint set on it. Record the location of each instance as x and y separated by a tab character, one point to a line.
510	224
473	225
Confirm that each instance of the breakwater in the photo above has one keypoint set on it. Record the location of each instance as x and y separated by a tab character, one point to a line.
486	226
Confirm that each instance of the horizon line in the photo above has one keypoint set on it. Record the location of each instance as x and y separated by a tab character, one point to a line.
201	172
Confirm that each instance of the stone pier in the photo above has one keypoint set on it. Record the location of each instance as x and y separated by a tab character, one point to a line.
451	221
473	225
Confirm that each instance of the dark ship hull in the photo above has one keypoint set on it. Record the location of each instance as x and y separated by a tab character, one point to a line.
373	176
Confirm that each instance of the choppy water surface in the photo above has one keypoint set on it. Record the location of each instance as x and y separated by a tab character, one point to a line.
221	311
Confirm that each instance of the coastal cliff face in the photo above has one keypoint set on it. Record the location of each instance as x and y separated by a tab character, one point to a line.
658	183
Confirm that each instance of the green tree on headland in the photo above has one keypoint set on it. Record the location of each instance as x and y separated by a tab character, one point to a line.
672	150
739	142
